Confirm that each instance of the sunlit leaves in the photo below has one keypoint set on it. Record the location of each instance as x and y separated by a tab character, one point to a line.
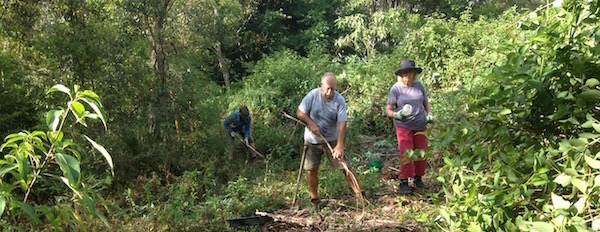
539	227
592	82
96	106
593	163
2	205
559	203
60	88
545	94
579	184
563	179
580	205
30	153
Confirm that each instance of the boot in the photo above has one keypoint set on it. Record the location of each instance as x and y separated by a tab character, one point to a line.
419	183
404	188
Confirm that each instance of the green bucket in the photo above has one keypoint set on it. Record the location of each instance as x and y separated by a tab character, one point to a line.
376	165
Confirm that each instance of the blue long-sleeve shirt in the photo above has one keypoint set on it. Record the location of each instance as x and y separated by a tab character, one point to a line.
233	123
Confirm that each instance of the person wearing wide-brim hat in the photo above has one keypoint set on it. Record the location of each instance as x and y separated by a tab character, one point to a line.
409	106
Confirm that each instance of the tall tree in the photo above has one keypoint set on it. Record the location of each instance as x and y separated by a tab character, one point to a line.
153	16
215	26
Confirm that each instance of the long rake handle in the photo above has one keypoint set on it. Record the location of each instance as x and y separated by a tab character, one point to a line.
251	148
299	175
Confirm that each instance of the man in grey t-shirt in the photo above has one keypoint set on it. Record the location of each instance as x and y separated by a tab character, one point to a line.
323	110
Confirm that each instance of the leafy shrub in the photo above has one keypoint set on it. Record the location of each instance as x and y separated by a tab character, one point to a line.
31	157
527	158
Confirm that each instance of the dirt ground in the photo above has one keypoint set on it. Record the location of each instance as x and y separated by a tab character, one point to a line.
385	210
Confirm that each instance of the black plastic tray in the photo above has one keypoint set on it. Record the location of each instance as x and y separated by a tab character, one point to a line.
249	221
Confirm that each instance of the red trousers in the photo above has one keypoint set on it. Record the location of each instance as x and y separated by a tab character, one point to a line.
408	140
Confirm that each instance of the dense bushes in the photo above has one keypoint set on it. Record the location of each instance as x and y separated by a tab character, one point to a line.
526	159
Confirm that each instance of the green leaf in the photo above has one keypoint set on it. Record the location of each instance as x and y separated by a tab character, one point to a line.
559	220
589	135
572	120
595	164
580	205
78	109
579	184
53	119
90	94
592	82
590	95
597	181
29	210
448	161
559	203
12	141
39	134
2	205
104	153
596	127
60	88
70	167
576	142
445	215
97	108
55	136
66	181
571	172
23	165
87	201
7	168
103	219
563	179
473	227
540	226
505	112
588	124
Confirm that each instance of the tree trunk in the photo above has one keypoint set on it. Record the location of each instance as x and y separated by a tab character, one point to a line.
159	110
223	64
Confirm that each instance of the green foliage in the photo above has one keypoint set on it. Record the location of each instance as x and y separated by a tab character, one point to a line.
29	156
279	82
528	157
522	156
17	110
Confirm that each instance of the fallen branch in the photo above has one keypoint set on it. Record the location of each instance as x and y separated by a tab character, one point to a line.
394	169
379	224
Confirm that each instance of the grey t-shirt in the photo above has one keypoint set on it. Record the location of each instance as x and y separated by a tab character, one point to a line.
324	113
414	95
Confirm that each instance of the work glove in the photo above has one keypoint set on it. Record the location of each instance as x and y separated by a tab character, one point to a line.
246	142
429	118
400	116
232	134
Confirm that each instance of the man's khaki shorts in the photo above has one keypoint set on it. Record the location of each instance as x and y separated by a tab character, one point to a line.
314	153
